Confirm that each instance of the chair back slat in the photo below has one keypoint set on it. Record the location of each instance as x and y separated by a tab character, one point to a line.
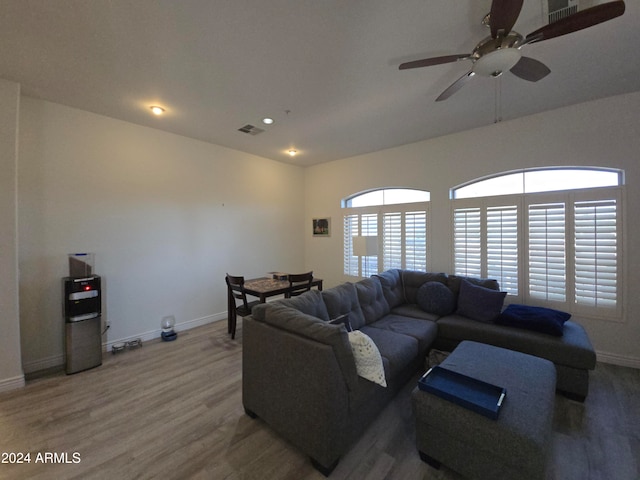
235	286
299	283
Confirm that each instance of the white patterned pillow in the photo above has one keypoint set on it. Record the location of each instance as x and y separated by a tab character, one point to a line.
367	356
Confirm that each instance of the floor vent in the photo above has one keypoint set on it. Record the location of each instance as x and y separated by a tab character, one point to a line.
250	129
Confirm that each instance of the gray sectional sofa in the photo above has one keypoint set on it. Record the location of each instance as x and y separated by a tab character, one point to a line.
301	376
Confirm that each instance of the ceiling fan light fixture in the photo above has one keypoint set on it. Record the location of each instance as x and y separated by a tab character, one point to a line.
495	63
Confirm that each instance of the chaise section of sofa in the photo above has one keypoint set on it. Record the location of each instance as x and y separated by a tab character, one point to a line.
571	352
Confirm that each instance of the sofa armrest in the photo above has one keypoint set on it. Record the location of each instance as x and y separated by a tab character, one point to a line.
291	320
295	384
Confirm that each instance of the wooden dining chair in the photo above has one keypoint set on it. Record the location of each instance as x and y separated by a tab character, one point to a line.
299	283
235	292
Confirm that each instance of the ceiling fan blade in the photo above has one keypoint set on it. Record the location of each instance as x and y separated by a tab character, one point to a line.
578	21
455	86
427	62
530	69
503	16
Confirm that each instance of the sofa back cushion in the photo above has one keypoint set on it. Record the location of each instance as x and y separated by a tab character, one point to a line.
343	299
310	302
391	282
412	281
372	301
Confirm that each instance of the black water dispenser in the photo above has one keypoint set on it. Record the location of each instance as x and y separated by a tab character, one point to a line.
82	310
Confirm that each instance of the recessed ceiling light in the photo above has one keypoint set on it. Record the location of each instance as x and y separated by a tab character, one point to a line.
157	110
292	152
267	121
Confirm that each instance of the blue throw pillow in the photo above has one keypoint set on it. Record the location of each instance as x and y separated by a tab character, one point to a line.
436	297
538	319
479	303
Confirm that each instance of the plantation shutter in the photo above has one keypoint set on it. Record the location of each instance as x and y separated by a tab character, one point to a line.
467	242
416	241
350	261
369	228
547	252
392	240
502	247
596	262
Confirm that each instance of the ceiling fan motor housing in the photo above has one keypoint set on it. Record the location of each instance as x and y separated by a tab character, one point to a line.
492	56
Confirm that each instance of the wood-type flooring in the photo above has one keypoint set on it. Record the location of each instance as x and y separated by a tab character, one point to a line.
173	410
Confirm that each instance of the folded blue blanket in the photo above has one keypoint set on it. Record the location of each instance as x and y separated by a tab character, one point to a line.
539	319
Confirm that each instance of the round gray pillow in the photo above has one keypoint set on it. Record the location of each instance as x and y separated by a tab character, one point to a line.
435	297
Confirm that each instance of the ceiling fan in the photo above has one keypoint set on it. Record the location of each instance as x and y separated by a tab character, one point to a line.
500	51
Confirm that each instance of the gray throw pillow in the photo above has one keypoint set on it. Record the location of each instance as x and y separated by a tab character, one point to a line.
436	298
479	303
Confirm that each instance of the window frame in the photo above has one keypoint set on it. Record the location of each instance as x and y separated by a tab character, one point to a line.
524	171
353	264
347	202
570	198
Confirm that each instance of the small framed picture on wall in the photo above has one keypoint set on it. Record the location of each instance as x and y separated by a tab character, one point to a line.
322	227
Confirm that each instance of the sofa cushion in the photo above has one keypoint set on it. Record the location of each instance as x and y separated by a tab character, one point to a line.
398	351
392	287
414	311
309	302
367	357
479	303
372	302
412	281
344	299
538	319
454	281
436	297
424	331
573	349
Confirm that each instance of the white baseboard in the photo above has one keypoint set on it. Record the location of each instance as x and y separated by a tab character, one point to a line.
182	326
43	364
58	360
12	383
620	360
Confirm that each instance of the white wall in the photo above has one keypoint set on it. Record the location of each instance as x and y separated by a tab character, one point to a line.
11	375
600	133
165	215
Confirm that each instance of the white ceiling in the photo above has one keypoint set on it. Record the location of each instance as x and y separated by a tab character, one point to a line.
216	65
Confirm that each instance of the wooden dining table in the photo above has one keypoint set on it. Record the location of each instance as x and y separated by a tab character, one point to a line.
269	287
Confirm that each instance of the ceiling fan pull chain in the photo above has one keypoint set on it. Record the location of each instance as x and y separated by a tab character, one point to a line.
498	100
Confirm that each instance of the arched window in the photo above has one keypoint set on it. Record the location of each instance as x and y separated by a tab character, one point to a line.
549	236
386	196
385	228
535	180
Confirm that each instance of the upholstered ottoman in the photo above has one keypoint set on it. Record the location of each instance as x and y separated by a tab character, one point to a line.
513	446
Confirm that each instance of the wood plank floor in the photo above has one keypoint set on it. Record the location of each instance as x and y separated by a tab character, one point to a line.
173	410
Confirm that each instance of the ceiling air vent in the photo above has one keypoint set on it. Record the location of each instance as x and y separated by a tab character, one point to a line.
250	129
554	10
